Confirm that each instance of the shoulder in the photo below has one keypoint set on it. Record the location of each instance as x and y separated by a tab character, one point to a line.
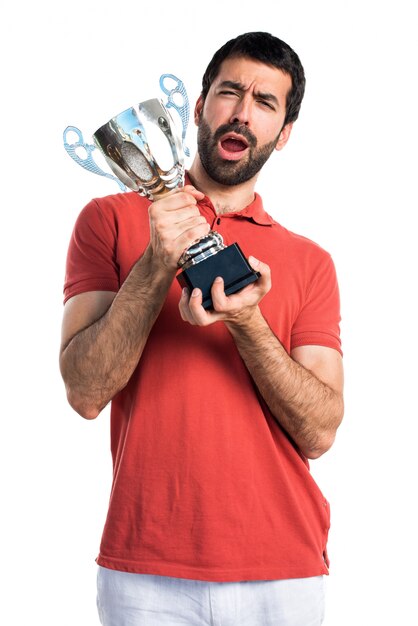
118	205
113	212
299	246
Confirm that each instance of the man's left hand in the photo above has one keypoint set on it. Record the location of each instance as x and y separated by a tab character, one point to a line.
237	308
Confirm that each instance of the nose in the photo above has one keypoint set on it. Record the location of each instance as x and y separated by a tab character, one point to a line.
242	112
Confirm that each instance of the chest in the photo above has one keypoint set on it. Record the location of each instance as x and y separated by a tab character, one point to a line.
280	306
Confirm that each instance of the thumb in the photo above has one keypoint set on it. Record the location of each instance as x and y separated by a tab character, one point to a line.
199	195
255	263
264	270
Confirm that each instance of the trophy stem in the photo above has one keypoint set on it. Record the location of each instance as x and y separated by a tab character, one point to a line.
201	250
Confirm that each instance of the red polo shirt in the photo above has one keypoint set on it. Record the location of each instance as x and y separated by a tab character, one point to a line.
206	483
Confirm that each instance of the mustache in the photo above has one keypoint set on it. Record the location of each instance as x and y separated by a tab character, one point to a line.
239	129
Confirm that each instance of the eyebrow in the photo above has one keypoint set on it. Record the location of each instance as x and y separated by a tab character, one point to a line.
240	87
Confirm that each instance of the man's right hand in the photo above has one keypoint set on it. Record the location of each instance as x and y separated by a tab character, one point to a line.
175	223
104	333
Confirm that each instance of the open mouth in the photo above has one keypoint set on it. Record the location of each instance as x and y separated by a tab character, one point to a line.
232	147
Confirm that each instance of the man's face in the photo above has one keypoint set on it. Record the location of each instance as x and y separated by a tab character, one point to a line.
240	122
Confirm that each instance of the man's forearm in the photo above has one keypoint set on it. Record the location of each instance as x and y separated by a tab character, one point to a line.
99	360
309	410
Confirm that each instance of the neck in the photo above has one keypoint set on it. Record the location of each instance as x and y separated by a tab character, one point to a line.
225	198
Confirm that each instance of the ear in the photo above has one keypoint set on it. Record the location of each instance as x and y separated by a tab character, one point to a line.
284	136
198	110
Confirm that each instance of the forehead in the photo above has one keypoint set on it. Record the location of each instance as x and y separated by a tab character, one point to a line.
254	75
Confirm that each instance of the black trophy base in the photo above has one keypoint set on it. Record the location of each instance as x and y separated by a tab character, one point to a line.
230	263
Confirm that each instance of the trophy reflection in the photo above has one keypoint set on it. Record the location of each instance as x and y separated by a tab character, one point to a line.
145	150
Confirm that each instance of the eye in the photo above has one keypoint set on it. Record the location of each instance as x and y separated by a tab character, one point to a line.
225	92
266	104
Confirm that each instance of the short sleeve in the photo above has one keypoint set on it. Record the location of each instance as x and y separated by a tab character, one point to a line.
318	322
91	259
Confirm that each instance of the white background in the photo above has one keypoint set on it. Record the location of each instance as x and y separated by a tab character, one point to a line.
347	179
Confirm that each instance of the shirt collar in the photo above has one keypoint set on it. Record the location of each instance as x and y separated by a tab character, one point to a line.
254	211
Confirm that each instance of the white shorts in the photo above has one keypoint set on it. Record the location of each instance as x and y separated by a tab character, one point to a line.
125	599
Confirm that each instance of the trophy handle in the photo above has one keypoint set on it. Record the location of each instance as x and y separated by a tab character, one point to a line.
183	110
88	162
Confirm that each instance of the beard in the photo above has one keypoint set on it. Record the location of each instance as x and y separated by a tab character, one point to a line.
226	172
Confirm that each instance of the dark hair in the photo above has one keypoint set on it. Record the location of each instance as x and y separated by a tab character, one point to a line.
267	49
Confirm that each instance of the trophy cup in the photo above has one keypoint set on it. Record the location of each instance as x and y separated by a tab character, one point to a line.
145	150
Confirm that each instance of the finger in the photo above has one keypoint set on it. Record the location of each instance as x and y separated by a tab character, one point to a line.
184	195
187	188
232	303
192	221
255	263
180	220
185	313
200	316
190	235
199	195
174	200
219	298
236	302
265	280
186	213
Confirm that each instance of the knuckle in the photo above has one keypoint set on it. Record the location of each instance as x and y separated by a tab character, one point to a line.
195	233
191	213
186	198
197	224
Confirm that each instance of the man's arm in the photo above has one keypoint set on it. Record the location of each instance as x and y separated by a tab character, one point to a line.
103	333
304	391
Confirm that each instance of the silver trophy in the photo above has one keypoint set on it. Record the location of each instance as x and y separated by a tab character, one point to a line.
145	150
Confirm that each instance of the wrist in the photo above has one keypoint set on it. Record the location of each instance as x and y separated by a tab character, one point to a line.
248	321
147	284
155	267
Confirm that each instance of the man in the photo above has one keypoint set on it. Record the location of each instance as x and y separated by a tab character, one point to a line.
214	517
